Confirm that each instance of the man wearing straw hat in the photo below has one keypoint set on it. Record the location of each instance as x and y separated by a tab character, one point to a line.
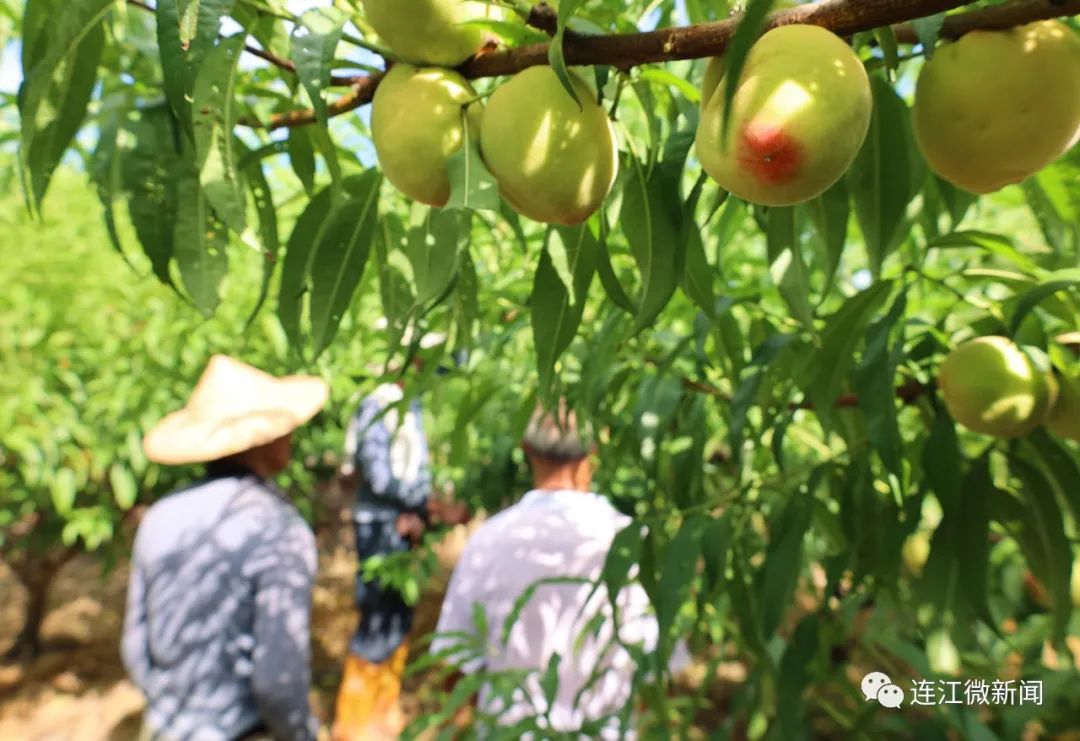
386	454
216	629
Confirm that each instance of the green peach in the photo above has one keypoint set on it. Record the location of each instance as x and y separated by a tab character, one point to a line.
992	386
996	107
799	116
555	162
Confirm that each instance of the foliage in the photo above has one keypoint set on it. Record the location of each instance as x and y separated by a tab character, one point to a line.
741	363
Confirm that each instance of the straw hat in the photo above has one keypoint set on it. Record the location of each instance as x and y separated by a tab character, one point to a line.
234	408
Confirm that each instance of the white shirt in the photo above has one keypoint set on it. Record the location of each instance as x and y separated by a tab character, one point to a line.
549	534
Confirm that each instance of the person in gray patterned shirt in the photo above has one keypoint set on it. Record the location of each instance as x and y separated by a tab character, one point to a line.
216	632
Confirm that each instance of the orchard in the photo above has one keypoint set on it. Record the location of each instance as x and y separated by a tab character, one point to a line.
810	270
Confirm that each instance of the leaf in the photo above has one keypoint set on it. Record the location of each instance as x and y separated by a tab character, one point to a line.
122	483
214	118
611	283
556	311
149	173
885	175
972	537
746	33
830	213
874	384
1061	467
1058	281
1043	540
180	63
341	256
995	244
314	40
698	274
549	683
787	267
472	186
747	390
556	55
927	30
106	169
395	289
432	248
680	561
625	551
834	358
61	52
200	241
268	226
956	200
652	232
302	157
299	250
783	559
887	41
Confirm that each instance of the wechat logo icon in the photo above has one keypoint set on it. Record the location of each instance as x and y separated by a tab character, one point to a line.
877	686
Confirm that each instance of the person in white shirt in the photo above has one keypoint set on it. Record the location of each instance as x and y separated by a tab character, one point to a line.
560	529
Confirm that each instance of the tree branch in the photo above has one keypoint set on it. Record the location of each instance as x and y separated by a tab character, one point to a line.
843	17
906	393
286	64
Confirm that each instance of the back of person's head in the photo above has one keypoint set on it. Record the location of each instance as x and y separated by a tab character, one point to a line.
554	436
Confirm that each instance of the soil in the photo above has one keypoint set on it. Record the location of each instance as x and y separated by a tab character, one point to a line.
77	690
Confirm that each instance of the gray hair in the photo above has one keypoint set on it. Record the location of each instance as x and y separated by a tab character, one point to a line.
555	436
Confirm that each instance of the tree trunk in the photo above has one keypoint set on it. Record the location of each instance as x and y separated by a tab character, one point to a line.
36	575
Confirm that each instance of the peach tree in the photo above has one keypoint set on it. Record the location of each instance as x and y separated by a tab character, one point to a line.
752	244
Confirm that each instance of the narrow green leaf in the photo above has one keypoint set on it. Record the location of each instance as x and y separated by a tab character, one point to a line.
302	157
652	232
750	25
747	390
886	37
106	169
927	30
60	58
302	243
433	250
885	175
263	197
1060	465
787	267
314	40
556	54
834	358
1058	281
972	534
995	244
342	254
214	118
200	241
556	312
783	559
830	214
472	186
1043	540
875	380
149	178
680	562
180	62
612	287
395	275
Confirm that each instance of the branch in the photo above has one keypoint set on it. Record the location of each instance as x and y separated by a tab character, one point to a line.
843	17
907	394
286	64
998	17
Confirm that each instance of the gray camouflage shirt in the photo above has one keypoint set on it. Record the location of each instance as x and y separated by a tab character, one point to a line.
216	631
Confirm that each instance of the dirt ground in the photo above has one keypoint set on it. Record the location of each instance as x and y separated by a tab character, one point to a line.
77	689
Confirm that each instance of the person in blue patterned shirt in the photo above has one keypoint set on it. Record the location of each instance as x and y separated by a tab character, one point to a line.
386	453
